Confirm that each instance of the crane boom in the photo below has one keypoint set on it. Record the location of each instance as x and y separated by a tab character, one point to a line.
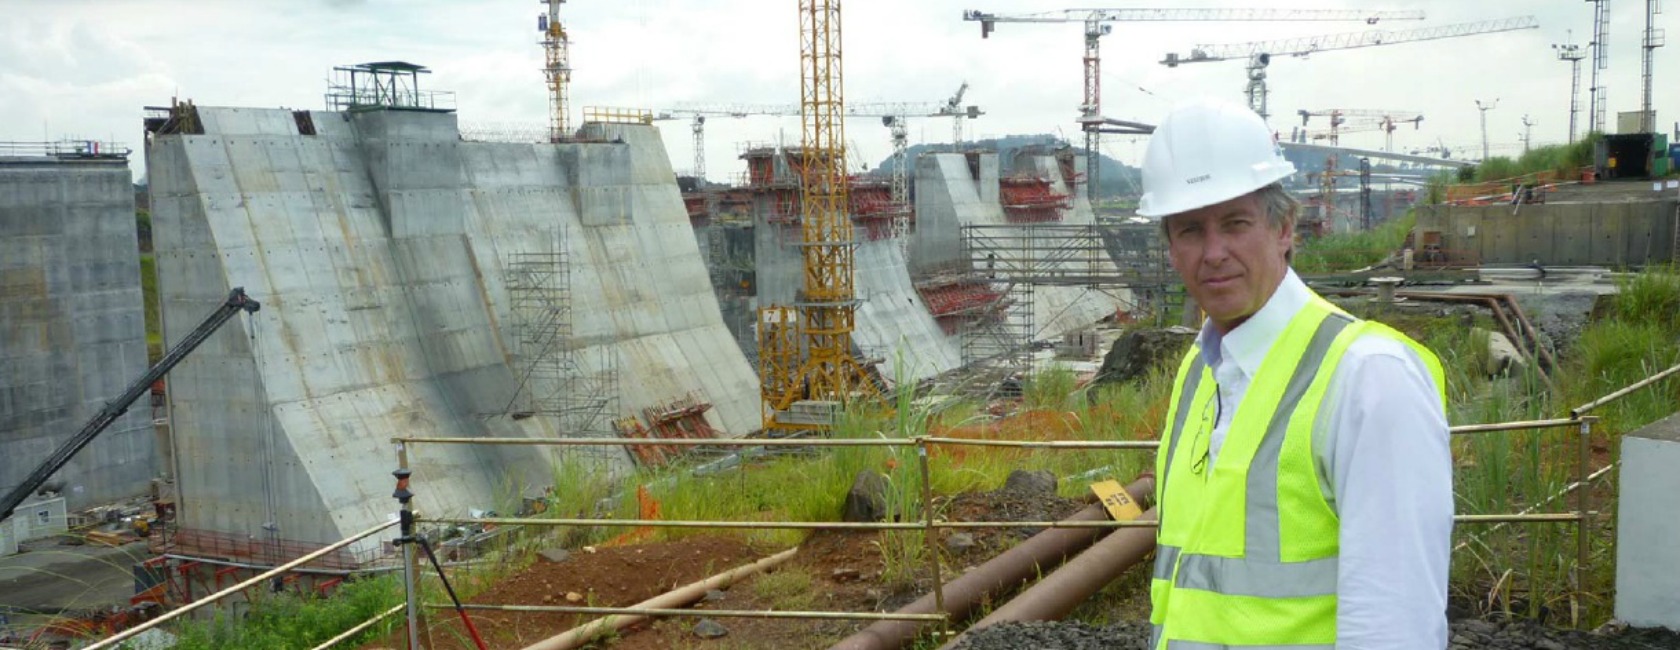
988	21
236	302
1259	53
1306	45
1096	21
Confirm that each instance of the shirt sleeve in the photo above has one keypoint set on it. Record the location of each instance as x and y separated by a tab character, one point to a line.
1384	458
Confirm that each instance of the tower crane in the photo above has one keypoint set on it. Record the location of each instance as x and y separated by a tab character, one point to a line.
894	115
827	374
697	123
1097	21
1355	120
1259	54
558	70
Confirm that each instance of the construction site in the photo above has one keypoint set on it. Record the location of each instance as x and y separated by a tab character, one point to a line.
373	375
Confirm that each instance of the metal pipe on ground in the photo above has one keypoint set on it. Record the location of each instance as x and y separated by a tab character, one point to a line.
1494	303
681	596
1058	593
1009	569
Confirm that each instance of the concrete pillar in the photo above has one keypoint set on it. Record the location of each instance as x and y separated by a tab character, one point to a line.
1647	586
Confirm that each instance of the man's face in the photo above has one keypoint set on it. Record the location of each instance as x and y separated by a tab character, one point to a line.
1230	257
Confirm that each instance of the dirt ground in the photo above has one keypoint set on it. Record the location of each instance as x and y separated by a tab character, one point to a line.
845	571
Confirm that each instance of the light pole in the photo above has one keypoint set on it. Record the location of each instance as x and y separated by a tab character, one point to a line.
1484	108
1573	54
1528	131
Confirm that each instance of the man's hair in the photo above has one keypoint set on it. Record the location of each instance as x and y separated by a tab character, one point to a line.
1279	204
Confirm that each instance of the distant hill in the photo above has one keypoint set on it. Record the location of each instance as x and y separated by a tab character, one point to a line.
1116	178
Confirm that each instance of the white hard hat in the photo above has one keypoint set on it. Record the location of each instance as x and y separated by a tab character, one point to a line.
1206	152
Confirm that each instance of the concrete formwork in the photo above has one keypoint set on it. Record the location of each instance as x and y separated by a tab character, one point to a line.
72	324
954	190
1616	234
378	247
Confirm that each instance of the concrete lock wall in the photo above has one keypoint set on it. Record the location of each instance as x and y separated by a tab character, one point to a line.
949	195
378	248
72	325
1561	234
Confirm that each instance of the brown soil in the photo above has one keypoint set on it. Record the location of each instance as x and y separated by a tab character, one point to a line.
845	570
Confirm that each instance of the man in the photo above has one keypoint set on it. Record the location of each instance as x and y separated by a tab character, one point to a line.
1305	478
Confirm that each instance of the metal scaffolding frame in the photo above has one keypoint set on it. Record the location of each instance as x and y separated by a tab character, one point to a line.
1018	257
554	380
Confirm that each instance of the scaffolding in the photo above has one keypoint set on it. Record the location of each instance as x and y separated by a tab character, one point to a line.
384	85
1015	258
558	378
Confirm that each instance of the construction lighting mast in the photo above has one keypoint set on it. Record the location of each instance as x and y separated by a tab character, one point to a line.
1484	108
1654	39
1259	54
558	71
1600	61
1572	53
1096	26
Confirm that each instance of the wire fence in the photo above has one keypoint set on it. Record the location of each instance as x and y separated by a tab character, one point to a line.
1581	517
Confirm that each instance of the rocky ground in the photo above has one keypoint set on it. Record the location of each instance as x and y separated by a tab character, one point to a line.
1469	634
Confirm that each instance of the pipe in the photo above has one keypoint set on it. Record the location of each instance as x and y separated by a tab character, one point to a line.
685	595
1533	334
1058	593
1009	569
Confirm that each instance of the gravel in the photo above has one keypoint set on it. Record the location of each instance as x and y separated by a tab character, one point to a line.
1467	634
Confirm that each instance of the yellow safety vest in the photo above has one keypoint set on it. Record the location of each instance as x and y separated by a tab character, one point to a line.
1247	548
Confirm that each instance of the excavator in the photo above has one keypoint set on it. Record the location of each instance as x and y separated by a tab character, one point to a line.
236	302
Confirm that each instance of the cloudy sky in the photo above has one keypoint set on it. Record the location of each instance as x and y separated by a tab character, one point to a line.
85	68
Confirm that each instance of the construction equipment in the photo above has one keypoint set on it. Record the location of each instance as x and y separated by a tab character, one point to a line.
1353	120
827	303
236	302
697	123
558	70
1259	54
1096	21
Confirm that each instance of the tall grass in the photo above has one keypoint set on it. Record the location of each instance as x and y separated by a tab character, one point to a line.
1353	250
291	621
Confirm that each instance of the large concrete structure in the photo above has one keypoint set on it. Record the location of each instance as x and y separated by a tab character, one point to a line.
72	322
1591	230
958	190
378	242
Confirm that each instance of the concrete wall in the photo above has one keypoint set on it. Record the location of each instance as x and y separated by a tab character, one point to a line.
1647	586
950	195
378	249
1562	234
892	322
72	325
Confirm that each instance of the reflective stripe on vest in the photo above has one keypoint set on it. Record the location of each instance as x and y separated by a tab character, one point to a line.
1155	641
1260	571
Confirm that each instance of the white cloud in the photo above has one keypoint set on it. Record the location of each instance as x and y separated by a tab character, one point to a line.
86	67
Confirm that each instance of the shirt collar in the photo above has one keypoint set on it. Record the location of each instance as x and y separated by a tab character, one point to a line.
1247	344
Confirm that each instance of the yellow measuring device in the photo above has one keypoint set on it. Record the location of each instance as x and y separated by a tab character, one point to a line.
1114	498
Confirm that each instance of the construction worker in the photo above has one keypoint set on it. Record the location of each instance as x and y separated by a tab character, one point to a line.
1304	479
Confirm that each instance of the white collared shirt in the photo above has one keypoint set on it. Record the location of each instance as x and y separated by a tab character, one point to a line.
1384	464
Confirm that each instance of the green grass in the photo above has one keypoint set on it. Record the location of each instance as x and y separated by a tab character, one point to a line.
1347	251
288	621
154	321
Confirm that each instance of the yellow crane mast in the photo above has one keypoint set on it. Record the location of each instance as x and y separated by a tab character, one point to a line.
827	305
558	70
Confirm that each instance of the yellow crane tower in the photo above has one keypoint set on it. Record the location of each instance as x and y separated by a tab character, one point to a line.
558	70
829	374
